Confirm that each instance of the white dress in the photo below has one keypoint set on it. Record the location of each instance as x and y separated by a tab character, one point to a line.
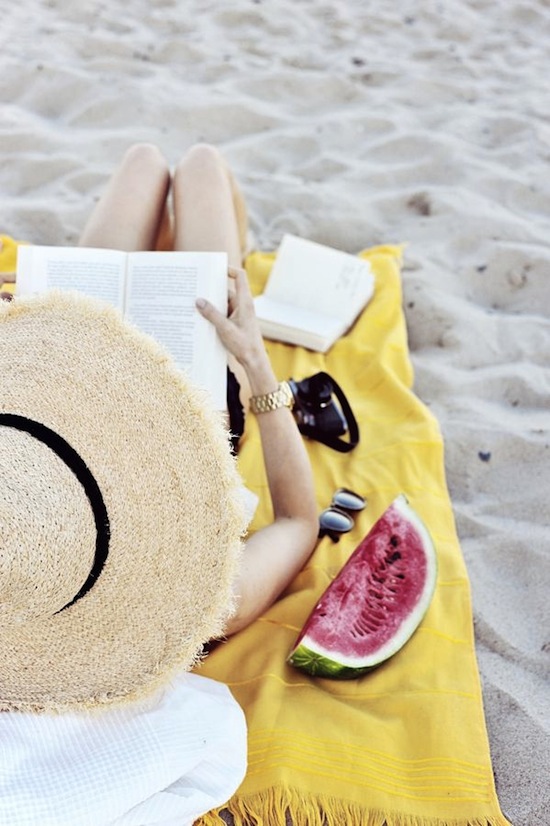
164	762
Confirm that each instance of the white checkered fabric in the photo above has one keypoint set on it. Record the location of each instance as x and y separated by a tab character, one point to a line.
164	762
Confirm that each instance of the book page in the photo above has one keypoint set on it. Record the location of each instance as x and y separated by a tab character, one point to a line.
161	291
320	279
95	272
284	315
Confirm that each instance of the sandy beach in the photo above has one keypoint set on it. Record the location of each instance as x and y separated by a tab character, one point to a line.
354	123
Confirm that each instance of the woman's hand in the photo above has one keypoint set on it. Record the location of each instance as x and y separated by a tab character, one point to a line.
239	331
6	278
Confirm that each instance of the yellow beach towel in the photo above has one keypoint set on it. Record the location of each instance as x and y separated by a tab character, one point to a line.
405	745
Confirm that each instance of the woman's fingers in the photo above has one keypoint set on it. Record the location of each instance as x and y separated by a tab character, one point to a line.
239	331
208	310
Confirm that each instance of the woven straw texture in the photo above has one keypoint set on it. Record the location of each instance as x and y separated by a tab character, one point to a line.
161	462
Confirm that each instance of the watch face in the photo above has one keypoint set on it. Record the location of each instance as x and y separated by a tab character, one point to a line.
287	394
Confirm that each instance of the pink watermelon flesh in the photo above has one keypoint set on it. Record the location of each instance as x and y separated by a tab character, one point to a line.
375	603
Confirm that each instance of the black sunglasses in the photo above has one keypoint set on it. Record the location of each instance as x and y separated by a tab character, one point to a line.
338	517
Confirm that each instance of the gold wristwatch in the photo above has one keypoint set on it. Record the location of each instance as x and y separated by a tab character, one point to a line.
281	397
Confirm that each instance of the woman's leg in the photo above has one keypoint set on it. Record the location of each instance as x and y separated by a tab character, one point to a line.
132	210
209	210
210	216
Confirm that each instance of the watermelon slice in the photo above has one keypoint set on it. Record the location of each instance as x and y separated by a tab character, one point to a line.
375	603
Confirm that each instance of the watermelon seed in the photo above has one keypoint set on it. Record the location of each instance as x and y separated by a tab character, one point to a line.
394	557
394	541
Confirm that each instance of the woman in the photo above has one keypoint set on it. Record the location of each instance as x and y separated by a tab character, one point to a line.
209	215
121	523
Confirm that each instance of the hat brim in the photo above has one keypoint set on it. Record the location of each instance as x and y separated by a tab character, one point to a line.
160	458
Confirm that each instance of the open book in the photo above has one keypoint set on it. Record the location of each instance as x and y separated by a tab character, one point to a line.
313	295
156	291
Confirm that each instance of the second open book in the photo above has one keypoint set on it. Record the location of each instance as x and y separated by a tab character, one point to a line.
313	295
156	291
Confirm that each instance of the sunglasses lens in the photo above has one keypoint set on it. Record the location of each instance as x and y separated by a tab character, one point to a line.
333	520
349	500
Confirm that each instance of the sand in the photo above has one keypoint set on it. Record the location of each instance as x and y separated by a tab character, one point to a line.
354	123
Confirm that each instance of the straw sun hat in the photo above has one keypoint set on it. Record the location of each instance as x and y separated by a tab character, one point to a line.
120	511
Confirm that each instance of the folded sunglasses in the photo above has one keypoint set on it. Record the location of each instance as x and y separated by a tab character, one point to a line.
338	517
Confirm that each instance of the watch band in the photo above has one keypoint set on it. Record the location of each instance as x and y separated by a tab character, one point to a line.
281	397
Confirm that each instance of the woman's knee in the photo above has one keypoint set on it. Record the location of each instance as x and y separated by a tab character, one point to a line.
202	157
146	158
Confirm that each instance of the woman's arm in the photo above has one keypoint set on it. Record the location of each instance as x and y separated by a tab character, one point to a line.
274	554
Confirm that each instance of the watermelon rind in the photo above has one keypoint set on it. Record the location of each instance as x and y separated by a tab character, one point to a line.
318	666
311	656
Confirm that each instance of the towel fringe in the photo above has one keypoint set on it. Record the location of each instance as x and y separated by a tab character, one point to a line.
282	807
